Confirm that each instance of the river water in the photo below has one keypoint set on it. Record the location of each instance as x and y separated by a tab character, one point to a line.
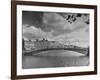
50	59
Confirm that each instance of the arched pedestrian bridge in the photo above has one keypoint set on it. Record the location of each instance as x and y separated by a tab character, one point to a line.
84	51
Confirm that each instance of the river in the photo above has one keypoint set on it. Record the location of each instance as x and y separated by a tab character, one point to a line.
55	58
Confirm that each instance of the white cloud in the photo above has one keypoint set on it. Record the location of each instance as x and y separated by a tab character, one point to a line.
32	32
82	36
57	23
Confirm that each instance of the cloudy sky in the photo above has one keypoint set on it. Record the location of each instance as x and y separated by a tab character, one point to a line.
67	28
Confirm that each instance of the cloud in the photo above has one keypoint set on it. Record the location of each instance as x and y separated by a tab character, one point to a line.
57	23
33	33
55	27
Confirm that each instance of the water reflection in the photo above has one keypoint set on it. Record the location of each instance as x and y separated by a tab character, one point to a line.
56	59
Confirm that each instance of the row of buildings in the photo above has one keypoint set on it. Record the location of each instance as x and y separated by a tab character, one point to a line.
43	44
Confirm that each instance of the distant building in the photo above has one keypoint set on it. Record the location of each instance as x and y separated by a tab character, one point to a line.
44	44
29	45
41	44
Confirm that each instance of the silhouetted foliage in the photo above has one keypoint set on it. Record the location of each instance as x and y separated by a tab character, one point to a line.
87	22
88	52
23	44
79	15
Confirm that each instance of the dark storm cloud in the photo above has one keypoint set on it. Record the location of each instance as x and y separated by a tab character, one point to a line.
32	18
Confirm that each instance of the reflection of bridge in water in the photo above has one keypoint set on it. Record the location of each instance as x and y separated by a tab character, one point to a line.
84	51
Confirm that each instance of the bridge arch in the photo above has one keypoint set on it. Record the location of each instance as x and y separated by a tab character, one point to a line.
83	51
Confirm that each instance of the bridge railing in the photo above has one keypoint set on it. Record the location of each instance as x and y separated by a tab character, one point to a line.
83	51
